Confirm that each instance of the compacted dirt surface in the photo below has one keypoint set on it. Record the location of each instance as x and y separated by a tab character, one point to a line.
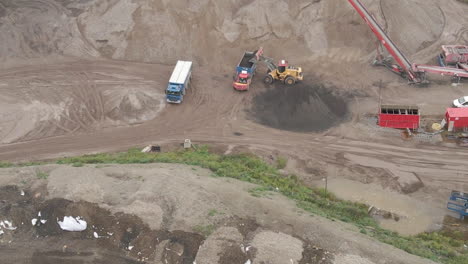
88	76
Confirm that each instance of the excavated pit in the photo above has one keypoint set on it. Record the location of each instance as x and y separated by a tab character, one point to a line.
304	107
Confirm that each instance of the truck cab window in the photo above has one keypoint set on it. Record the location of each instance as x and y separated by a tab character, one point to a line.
243	80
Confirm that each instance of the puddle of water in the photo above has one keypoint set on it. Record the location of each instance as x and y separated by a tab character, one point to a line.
415	216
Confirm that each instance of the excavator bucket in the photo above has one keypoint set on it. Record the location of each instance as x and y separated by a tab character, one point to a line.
260	58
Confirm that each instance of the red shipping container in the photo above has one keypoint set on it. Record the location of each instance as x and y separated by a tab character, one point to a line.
457	119
399	116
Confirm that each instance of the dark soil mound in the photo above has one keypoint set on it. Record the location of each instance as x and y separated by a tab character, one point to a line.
122	238
109	238
302	107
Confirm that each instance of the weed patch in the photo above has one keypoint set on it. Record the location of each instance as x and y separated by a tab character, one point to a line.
77	164
205	230
23	164
42	175
214	212
5	164
260	191
281	163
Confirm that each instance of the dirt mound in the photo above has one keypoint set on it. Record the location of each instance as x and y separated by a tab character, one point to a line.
40	28
124	238
74	97
204	219
304	107
208	32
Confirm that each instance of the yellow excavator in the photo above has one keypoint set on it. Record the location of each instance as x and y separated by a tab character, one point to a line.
283	72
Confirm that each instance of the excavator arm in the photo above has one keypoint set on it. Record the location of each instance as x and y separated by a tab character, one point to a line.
260	58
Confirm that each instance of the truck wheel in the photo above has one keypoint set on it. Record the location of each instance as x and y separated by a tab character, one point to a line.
290	80
268	79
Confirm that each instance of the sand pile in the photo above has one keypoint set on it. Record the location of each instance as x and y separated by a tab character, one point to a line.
208	32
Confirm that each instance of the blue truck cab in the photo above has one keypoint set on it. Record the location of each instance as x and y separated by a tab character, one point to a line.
179	82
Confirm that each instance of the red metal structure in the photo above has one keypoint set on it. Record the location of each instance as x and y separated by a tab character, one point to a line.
413	72
399	116
457	119
242	82
453	55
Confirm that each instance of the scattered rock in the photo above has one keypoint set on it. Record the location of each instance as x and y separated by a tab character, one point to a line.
380	213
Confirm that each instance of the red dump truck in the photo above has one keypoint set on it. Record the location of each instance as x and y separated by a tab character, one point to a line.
245	70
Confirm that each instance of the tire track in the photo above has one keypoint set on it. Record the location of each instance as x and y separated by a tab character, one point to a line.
70	96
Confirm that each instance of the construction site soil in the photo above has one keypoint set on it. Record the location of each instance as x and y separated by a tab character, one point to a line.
117	233
304	107
89	76
162	213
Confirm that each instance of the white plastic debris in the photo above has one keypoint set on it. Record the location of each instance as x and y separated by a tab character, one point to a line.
34	221
39	214
248	262
22	193
247	248
130	247
146	149
71	223
43	221
1	232
96	235
7	225
110	234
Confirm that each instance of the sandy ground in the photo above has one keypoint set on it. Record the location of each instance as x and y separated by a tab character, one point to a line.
152	213
62	98
88	76
425	169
